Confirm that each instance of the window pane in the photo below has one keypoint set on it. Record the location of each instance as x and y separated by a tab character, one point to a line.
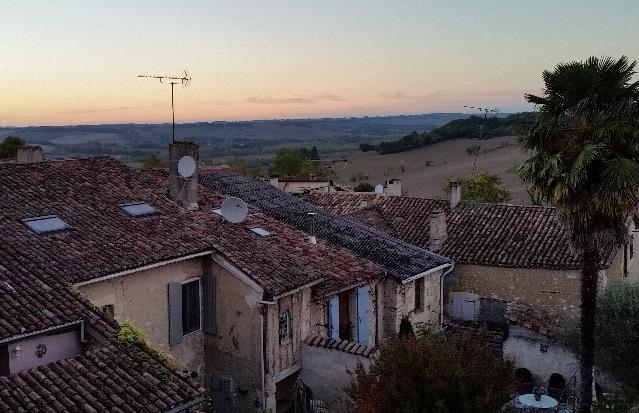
45	224
190	307
419	293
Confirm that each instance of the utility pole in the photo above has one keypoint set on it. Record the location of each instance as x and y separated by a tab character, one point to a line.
481	128
173	80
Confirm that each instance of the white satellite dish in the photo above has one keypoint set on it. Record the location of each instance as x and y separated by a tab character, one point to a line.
186	167
234	210
379	188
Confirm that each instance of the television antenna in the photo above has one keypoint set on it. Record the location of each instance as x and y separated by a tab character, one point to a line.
234	210
172	80
485	111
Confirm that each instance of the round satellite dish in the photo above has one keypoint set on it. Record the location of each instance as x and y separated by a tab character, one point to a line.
186	166
379	188
234	210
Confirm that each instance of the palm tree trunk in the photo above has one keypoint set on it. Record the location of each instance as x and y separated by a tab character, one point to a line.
589	278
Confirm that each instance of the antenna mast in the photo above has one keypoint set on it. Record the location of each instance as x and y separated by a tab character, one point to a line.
173	80
481	128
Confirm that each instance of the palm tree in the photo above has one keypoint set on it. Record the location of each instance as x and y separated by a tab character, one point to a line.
583	154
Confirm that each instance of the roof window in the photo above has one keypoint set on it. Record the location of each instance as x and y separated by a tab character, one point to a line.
43	225
260	231
217	211
138	209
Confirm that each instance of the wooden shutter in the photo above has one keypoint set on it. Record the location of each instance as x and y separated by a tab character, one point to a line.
209	318
175	313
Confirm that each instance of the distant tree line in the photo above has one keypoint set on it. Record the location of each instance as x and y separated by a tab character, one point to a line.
9	146
456	129
298	162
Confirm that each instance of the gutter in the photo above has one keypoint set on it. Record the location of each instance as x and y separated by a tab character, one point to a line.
441	295
187	405
46	330
143	268
425	273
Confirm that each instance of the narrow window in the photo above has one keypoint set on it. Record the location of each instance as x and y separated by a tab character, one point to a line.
419	294
285	326
109	309
190	307
632	246
344	316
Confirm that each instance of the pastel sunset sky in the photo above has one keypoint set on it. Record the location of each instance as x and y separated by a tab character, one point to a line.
76	62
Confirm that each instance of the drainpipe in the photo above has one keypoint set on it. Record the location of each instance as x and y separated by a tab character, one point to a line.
441	294
377	306
263	311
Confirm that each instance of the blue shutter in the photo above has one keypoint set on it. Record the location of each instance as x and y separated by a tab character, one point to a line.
362	315
209	322
175	313
333	317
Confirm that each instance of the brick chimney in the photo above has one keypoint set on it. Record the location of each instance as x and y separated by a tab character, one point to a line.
29	154
455	194
183	190
438	232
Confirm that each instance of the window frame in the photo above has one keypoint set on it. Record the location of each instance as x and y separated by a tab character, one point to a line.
186	306
419	293
285	336
27	221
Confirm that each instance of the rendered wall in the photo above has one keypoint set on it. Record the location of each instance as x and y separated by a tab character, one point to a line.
233	354
58	346
142	297
325	372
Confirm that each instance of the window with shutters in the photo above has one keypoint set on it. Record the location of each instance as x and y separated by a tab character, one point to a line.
190	307
285	326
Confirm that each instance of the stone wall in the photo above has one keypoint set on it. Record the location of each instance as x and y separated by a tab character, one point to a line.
554	291
325	372
542	357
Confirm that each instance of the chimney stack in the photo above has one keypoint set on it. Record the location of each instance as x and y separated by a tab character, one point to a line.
29	154
183	190
438	232
455	194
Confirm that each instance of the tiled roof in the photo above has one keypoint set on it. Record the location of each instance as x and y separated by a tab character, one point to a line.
36	269
346	346
482	234
102	380
401	260
104	239
533	318
303	179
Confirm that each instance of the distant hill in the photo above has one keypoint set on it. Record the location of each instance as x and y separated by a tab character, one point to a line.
258	139
471	127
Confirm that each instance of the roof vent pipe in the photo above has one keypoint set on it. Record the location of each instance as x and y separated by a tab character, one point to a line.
312	238
455	194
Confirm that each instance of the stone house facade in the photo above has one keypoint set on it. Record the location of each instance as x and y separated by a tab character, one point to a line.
505	252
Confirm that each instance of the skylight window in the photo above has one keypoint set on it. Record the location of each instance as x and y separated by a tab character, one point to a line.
261	231
217	211
42	225
138	209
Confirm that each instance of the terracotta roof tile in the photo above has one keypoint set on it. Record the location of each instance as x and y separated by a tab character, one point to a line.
483	234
